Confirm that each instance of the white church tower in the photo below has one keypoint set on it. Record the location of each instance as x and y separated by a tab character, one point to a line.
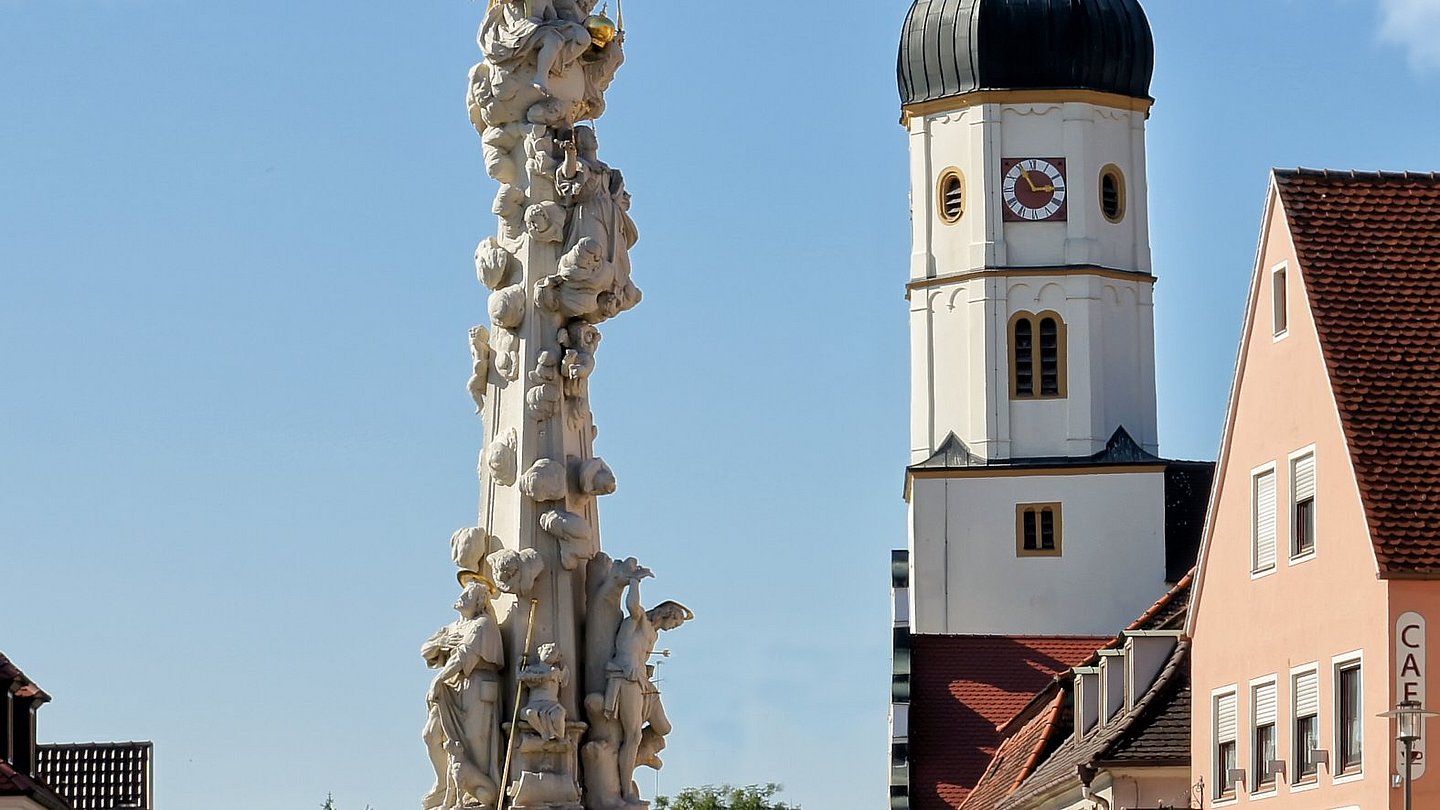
1036	495
1042	520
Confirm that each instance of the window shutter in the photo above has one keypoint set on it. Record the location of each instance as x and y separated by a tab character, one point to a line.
1307	694
1265	708
1264	556
1305	478
1225	719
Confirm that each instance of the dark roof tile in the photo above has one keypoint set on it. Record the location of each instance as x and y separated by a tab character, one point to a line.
963	688
1368	246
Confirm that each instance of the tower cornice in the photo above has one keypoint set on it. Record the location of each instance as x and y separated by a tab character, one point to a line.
1008	272
979	97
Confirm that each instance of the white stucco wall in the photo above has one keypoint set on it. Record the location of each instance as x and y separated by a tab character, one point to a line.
967	578
959	344
960	365
975	139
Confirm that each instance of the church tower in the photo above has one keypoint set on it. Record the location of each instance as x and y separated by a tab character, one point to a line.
1036	496
1042	520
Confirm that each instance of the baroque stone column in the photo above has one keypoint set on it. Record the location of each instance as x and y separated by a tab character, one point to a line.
544	697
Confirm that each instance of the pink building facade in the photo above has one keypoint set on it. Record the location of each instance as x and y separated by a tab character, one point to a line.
1316	596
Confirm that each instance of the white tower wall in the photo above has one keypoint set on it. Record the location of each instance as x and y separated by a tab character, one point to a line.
968	280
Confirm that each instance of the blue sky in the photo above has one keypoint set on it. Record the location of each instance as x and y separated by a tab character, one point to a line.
235	286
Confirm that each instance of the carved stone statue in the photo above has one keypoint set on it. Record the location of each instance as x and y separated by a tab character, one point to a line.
515	572
462	731
480	365
545	678
558	265
630	695
516	31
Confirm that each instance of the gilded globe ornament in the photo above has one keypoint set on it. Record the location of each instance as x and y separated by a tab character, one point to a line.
602	29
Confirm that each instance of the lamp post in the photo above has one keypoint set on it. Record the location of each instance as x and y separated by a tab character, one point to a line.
1410	719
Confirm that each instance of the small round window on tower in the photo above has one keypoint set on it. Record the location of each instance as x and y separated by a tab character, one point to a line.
952	195
1112	193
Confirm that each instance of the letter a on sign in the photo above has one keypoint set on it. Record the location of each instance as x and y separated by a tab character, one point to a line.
1410	679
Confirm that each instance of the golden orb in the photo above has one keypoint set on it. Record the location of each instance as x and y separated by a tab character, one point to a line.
602	29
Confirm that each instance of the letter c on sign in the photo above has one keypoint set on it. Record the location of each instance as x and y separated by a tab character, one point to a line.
1405	636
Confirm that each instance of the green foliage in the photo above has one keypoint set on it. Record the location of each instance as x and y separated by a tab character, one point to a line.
725	797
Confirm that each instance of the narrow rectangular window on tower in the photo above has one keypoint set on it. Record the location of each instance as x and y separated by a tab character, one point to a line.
1263	523
1038	531
1023	362
1049	358
1302	509
1278	301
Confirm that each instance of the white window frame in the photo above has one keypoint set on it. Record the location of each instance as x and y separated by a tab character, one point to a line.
1296	559
1230	690
1272	680
1344	660
1293	775
1280	295
1257	572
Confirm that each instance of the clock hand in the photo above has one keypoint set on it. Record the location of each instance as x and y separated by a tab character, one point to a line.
1025	173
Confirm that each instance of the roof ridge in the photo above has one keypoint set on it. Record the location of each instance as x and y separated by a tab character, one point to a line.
1357	174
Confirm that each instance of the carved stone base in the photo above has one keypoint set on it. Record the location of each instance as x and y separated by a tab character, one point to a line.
545	791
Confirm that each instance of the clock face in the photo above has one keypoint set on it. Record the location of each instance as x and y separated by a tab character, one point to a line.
1033	189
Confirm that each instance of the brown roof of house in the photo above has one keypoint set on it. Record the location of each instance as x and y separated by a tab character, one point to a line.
26	688
1368	246
14	783
1021	752
963	688
1159	703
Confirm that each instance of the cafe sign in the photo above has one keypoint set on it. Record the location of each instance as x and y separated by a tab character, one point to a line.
1410	681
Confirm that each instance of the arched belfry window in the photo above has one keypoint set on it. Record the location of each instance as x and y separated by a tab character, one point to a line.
1037	356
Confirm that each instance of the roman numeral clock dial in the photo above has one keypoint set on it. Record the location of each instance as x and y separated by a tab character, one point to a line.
1033	189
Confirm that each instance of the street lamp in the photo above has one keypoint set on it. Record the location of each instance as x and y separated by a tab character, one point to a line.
1410	719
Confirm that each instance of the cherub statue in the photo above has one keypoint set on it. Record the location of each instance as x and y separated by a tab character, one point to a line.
545	678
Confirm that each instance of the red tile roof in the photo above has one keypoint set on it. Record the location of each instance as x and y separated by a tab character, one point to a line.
1018	755
27	688
14	783
1368	246
963	688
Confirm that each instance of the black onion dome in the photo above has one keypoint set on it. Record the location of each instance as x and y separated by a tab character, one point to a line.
953	47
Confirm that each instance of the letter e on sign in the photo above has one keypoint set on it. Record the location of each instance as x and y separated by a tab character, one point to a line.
1410	679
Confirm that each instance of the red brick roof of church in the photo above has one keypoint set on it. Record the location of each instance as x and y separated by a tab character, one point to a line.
1368	246
963	690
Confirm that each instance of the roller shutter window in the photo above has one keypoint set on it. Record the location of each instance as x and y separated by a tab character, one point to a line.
1263	745
1302	513
1263	533
1225	733
1306	736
